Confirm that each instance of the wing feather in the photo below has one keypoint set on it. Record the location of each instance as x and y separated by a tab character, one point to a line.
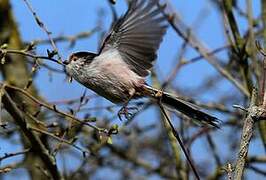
137	35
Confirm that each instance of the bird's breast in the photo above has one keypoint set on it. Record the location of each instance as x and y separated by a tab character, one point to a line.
109	76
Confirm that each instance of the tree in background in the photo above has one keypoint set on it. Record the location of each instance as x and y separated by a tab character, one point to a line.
65	139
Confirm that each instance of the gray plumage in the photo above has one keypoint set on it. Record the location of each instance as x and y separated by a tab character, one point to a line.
118	71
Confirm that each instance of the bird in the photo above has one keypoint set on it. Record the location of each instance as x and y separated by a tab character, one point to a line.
119	69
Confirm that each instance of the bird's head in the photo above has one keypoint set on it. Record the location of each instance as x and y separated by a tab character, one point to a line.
77	60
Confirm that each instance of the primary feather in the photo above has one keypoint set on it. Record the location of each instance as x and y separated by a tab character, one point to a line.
137	35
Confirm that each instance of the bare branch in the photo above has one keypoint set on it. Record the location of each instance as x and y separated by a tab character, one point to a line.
36	143
44	28
246	136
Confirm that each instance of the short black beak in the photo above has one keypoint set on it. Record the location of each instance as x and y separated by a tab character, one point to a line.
66	62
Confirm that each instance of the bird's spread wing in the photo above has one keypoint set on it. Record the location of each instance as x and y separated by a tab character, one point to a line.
137	35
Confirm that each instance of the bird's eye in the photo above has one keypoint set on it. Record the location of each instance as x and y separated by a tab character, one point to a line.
74	58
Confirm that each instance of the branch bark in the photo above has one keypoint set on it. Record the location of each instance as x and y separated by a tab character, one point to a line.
36	143
253	112
15	71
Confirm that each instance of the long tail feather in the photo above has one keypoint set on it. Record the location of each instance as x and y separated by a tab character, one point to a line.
182	106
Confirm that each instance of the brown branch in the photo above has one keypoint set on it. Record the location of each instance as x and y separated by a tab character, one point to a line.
9	167
228	8
262	124
213	150
36	143
24	53
53	108
139	162
257	170
181	29
246	135
257	159
84	151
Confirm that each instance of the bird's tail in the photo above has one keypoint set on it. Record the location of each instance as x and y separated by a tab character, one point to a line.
182	106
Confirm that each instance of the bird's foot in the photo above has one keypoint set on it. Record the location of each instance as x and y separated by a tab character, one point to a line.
127	112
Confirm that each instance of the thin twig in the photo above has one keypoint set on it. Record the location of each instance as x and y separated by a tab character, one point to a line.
213	150
258	170
257	159
263	79
8	155
36	143
139	162
84	151
181	28
22	52
69	38
44	28
53	108
9	167
176	134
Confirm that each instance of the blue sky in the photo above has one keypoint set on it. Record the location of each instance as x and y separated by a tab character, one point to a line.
73	16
